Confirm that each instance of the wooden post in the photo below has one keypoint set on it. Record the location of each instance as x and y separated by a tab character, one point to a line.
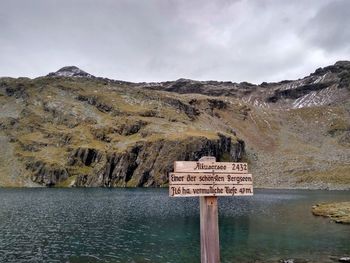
209	225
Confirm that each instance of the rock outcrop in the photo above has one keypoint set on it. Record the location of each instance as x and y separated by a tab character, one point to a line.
85	156
46	174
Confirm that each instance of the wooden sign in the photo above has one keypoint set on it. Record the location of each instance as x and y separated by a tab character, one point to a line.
209	179
217	167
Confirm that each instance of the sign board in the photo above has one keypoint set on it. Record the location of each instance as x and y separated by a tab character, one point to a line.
217	167
210	178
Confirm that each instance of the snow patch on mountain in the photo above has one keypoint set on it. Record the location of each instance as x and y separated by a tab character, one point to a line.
70	71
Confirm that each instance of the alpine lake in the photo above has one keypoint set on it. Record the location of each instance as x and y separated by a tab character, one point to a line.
146	225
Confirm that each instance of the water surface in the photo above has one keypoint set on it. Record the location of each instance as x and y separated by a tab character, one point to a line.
145	225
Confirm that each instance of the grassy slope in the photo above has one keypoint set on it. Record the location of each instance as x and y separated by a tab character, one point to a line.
52	121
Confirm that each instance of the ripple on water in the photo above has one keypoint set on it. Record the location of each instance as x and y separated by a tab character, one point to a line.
145	225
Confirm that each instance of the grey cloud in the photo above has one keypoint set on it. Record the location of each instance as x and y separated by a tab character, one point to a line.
154	40
329	29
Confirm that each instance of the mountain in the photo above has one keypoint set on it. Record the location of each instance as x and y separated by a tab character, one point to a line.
71	128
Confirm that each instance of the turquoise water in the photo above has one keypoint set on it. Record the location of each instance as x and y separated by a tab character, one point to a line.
145	225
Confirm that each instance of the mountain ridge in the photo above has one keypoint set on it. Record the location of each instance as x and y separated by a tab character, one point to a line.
307	91
338	65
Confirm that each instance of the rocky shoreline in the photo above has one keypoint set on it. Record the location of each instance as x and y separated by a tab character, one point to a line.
337	212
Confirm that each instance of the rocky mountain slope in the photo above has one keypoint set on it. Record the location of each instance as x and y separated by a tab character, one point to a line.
71	128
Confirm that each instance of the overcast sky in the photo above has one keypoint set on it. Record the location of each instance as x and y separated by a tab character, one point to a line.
156	40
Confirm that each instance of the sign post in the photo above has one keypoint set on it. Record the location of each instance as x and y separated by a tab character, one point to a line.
208	179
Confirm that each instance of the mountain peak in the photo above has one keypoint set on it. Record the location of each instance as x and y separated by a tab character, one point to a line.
70	71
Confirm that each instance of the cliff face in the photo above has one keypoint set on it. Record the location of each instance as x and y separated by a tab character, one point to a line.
144	164
148	163
74	129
